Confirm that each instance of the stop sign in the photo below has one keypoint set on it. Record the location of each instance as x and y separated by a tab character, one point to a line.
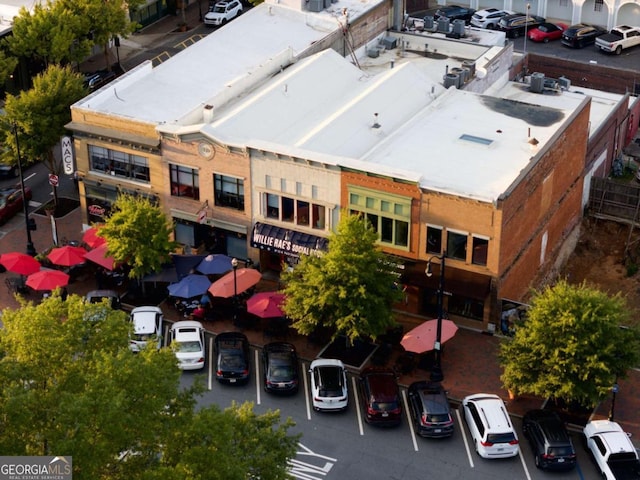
53	180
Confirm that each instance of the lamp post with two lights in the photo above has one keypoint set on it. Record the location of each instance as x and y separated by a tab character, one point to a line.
436	371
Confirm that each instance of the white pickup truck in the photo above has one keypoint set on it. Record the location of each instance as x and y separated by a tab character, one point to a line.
612	450
619	38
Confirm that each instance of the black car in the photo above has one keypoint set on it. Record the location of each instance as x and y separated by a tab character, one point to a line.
232	364
581	35
515	25
280	363
380	397
95	80
9	170
430	410
455	12
552	448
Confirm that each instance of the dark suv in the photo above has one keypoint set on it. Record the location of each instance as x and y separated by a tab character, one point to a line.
455	12
430	409
232	349
550	442
380	397
280	368
515	25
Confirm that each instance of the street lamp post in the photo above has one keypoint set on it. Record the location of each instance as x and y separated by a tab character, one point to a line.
526	24
614	390
234	264
25	204
436	372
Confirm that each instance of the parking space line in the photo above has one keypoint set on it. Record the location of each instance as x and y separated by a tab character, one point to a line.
357	404
408	415
524	465
258	392
464	437
306	389
210	374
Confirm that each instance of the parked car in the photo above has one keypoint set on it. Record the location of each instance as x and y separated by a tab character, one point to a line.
187	341
280	365
489	17
222	12
490	426
515	25
380	397
328	385
95	80
97	296
430	410
9	170
612	450
550	442
618	39
546	32
232	364
147	327
11	202
455	12
581	35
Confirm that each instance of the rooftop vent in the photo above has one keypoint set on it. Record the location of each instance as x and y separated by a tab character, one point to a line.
443	25
375	121
207	114
389	43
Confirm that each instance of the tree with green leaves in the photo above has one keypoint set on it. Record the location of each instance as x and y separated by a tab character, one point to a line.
69	385
351	288
37	117
572	346
138	234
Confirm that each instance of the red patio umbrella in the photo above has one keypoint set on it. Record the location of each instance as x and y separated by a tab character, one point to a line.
235	282
67	256
99	255
21	263
422	338
91	238
47	280
266	304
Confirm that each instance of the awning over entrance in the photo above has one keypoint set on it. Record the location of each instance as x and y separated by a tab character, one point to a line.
287	242
459	282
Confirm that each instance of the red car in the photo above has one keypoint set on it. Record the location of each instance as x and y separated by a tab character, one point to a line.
546	32
11	202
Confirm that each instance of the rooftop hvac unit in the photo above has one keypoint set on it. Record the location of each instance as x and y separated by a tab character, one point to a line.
471	65
315	5
537	82
564	82
443	25
389	43
373	53
428	22
327	3
458	27
452	80
462	76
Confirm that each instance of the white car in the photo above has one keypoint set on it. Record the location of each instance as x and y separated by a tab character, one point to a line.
187	341
490	426
328	385
147	327
612	450
222	12
489	18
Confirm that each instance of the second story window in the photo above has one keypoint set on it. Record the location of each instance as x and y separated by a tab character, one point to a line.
229	191
434	239
291	210
457	245
118	164
184	182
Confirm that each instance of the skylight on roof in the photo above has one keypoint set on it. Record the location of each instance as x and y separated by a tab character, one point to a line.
474	139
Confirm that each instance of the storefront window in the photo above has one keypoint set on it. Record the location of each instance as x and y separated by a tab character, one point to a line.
184	182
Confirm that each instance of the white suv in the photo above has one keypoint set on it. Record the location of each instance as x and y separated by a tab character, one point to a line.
490	426
147	327
222	12
489	18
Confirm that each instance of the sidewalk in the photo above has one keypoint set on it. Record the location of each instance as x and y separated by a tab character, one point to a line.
470	360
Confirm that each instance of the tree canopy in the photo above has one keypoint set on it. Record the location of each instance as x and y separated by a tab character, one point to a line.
350	289
138	234
572	345
69	385
38	116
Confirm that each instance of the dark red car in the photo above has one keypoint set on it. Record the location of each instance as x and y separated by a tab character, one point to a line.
380	397
546	32
11	202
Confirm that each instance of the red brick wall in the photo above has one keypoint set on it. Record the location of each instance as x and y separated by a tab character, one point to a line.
537	206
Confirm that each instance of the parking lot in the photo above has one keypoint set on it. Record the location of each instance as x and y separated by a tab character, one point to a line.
343	445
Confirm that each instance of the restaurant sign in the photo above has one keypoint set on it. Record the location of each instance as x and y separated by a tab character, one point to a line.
287	242
96	210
